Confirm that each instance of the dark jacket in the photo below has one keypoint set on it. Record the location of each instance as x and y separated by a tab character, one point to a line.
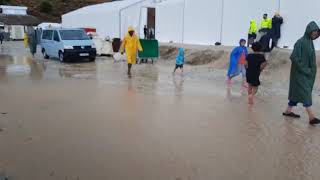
277	21
303	68
1	35
265	42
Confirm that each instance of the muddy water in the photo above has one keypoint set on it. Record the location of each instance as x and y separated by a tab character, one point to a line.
89	121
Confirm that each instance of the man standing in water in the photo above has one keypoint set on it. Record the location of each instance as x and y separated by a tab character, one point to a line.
131	44
303	73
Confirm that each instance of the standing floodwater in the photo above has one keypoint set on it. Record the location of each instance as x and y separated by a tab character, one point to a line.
90	121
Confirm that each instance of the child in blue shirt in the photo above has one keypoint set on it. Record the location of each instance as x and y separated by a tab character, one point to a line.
179	60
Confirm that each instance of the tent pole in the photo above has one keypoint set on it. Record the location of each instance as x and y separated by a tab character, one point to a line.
222	15
120	24
183	19
139	24
279	6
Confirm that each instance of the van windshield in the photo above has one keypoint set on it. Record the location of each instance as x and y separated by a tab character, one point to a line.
73	35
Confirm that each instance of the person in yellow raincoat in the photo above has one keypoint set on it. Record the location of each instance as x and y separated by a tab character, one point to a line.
26	40
252	35
131	45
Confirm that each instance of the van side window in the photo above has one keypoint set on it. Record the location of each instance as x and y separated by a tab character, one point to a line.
47	34
56	36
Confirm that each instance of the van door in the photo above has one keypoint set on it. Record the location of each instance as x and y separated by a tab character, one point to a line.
57	44
46	41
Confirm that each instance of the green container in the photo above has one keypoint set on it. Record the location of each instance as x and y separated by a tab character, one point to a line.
150	48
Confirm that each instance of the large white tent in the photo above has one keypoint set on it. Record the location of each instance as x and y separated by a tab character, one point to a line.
170	29
226	21
196	21
110	19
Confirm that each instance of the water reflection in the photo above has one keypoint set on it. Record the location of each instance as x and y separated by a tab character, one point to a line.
5	60
178	83
37	69
80	71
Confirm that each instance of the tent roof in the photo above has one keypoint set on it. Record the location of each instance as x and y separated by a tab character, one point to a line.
169	2
25	20
108	6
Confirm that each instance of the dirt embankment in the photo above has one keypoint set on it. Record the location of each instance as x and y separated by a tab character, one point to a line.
219	56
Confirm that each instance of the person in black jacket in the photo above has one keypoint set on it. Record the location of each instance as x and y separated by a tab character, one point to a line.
277	21
1	36
146	32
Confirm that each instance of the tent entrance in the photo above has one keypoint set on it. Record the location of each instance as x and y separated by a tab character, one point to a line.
151	18
147	18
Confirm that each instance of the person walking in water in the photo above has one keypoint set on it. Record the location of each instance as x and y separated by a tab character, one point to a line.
256	62
303	73
179	60
237	63
131	44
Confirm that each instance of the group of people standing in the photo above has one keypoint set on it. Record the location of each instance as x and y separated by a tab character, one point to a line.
149	33
270	30
303	67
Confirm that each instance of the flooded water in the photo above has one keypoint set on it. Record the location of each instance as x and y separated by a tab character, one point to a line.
90	121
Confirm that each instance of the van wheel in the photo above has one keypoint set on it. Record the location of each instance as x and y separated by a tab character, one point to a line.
61	57
92	59
45	55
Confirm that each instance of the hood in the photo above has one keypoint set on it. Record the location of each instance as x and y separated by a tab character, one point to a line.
241	41
130	28
312	26
181	52
252	22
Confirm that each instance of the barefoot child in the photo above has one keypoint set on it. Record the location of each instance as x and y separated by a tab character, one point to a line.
179	60
237	62
256	62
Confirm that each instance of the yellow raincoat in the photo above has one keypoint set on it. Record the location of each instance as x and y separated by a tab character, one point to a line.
131	44
26	40
266	23
253	27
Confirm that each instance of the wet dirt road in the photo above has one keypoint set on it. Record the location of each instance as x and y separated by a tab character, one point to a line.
89	121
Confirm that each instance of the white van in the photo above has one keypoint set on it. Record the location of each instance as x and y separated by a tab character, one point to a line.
67	44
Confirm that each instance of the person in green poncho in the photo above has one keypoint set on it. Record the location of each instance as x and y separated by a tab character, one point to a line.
303	73
32	41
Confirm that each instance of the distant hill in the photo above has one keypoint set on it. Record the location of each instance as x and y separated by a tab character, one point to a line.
59	7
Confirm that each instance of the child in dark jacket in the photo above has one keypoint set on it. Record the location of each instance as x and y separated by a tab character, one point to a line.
256	62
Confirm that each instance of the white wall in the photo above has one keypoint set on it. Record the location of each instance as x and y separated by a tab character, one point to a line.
202	21
133	15
169	21
17	10
237	16
297	14
106	22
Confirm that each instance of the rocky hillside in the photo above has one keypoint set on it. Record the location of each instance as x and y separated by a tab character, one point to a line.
40	9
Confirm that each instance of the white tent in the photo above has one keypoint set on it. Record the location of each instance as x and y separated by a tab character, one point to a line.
297	14
195	22
110	19
226	21
47	25
169	21
237	16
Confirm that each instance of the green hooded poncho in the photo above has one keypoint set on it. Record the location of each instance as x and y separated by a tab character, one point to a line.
303	68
